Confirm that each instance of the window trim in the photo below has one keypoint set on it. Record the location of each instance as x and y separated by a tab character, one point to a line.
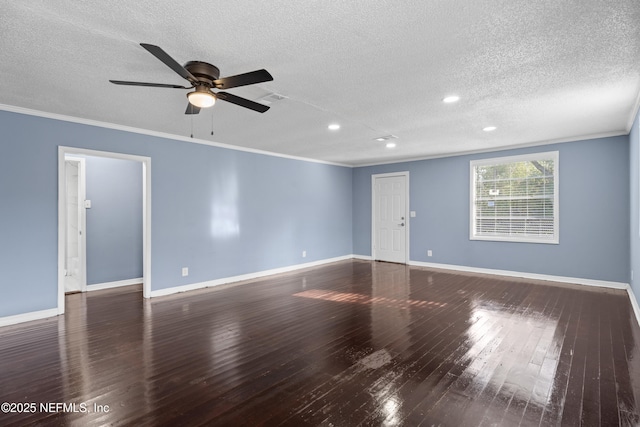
555	156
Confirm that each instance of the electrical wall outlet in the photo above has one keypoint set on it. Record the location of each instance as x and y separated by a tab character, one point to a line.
185	271
304	254
429	252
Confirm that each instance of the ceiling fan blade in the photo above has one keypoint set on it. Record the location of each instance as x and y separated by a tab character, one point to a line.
126	83
169	61
243	102
192	109
245	79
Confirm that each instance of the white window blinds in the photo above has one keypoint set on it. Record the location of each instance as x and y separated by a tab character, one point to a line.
515	198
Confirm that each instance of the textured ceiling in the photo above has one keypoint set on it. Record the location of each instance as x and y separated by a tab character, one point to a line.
539	71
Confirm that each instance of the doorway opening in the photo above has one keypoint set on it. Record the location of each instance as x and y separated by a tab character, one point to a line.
72	205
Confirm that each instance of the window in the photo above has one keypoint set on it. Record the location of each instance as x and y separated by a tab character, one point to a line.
515	198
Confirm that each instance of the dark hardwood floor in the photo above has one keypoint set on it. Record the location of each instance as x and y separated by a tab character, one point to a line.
354	343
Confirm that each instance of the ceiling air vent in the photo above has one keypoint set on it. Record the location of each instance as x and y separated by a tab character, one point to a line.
385	138
271	98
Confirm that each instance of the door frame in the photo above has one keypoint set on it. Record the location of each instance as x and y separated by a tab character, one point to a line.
63	152
405	174
82	218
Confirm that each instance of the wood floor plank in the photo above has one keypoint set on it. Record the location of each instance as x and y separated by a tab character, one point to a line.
441	335
608	405
591	391
553	410
572	407
353	343
541	364
468	386
508	381
627	405
442	383
399	365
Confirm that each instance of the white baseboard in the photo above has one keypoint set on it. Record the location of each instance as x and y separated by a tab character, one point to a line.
117	284
562	279
534	276
243	277
27	317
43	314
634	304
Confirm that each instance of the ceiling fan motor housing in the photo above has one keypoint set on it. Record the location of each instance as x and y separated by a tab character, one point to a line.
203	71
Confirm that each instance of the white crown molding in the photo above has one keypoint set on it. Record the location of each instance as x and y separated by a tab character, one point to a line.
61	117
634	113
497	149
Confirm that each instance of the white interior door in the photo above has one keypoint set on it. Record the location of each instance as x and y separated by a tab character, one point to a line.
75	277
390	225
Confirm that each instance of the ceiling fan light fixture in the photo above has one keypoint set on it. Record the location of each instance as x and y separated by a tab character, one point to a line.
202	98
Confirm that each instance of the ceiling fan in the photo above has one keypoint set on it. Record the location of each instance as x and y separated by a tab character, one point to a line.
203	77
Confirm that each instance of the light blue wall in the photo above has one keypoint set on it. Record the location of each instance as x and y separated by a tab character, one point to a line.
594	214
234	212
114	222
223	212
219	212
634	162
28	219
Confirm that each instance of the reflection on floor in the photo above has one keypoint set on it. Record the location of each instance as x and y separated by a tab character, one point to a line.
346	344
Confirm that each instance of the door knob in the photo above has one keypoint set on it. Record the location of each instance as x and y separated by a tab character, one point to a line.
402	224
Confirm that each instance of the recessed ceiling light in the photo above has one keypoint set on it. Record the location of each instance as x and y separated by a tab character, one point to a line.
391	145
334	126
450	99
489	128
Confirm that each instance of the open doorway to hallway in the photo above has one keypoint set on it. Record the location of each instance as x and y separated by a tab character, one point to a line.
104	221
